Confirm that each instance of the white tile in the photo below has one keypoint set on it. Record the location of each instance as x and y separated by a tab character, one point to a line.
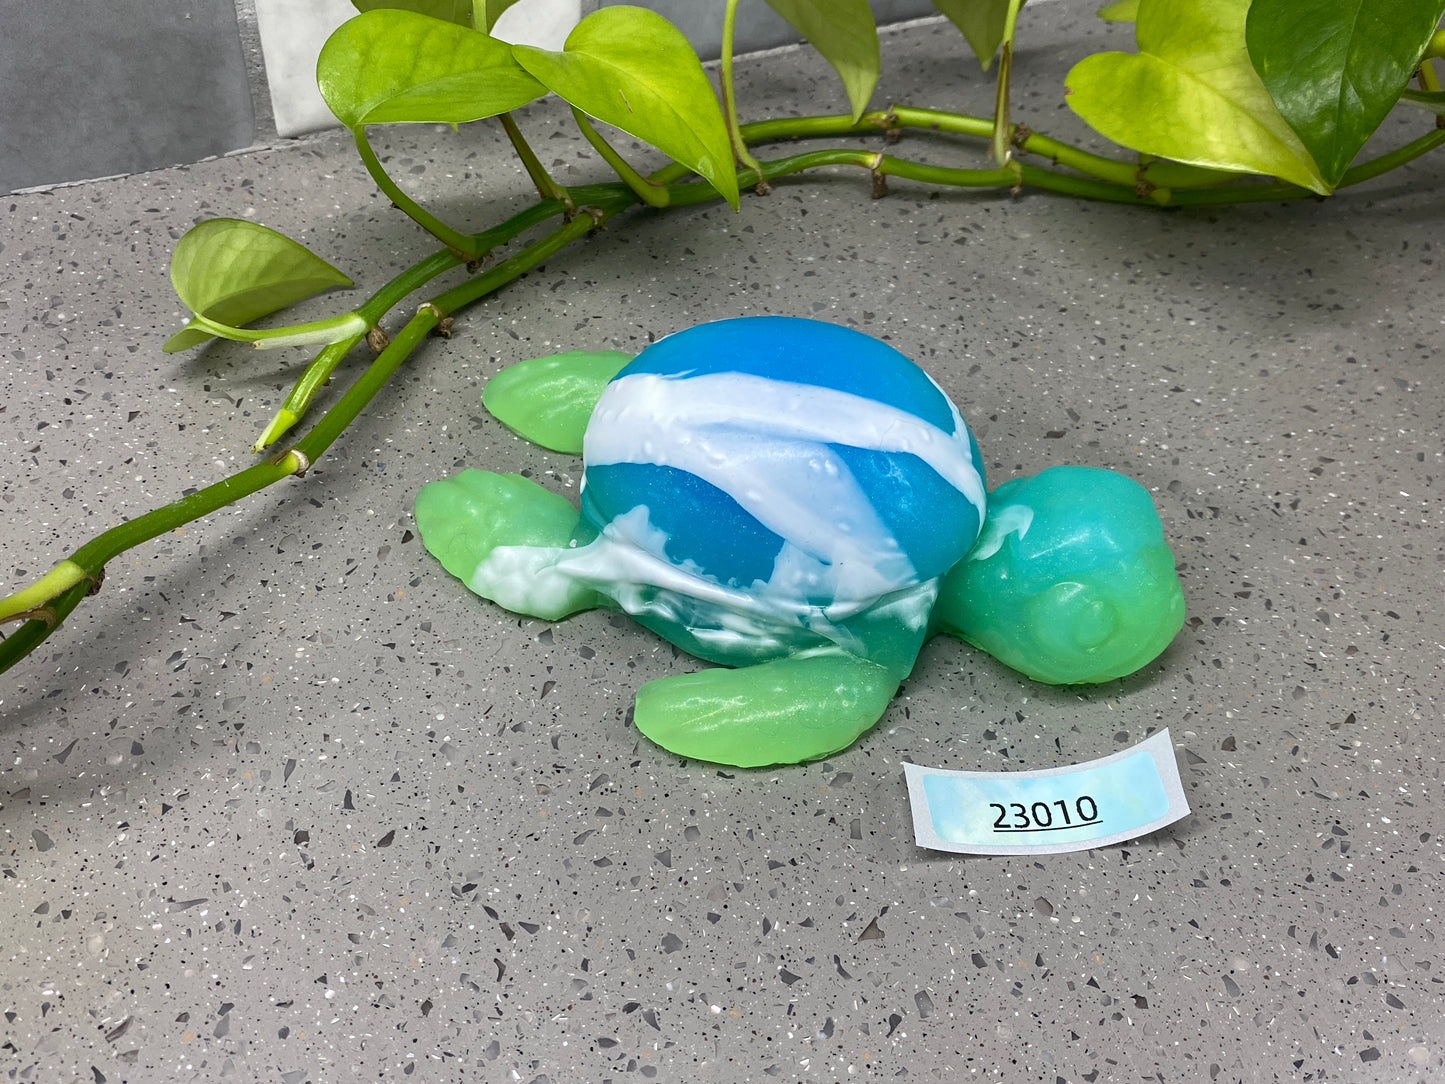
543	23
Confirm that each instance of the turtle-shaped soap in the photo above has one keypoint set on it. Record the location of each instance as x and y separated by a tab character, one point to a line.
802	504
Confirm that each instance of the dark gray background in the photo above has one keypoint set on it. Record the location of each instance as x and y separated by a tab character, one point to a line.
91	88
759	27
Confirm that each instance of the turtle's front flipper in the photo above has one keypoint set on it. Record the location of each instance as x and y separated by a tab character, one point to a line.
502	535
548	400
798	708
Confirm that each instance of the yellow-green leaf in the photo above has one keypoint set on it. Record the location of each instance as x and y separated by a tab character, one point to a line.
631	68
844	33
393	66
232	271
1191	94
980	21
1335	68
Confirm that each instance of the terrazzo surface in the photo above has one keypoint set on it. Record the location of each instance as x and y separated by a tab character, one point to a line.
284	803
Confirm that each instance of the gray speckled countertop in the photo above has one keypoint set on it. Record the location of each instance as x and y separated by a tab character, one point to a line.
284	803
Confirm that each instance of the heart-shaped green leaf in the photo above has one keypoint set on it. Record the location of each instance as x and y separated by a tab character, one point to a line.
631	68
1335	67
844	33
1190	94
982	24
389	66
233	271
452	11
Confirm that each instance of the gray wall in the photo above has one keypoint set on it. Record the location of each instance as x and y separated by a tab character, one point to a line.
758	26
92	88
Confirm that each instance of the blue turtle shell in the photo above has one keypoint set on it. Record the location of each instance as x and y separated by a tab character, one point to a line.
785	482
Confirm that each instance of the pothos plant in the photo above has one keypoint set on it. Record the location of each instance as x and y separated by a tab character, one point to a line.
1224	101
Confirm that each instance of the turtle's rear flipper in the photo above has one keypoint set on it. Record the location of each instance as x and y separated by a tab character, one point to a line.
789	710
502	535
548	400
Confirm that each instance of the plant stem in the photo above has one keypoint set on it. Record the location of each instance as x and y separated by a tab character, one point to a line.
330	330
60	590
1002	143
948	176
899	116
56	582
1211	187
1266	193
318	373
780	128
903	116
34	632
93	556
425	219
729	102
1094	165
592	217
1433	100
1429	78
334	421
651	194
1393	159
315	376
547	188
1107	169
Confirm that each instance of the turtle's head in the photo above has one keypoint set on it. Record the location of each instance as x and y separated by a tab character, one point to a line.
1071	581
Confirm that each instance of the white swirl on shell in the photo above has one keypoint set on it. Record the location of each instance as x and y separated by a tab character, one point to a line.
764	443
736	623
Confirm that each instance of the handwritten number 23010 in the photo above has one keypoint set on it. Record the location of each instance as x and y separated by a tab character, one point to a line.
1040	816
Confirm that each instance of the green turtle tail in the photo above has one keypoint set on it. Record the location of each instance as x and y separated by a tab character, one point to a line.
502	535
798	708
548	400
1071	581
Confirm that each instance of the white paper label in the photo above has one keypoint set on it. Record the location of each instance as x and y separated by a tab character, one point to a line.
1116	798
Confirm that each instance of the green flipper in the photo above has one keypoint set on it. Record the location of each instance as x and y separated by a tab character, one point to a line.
501	535
798	708
548	400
